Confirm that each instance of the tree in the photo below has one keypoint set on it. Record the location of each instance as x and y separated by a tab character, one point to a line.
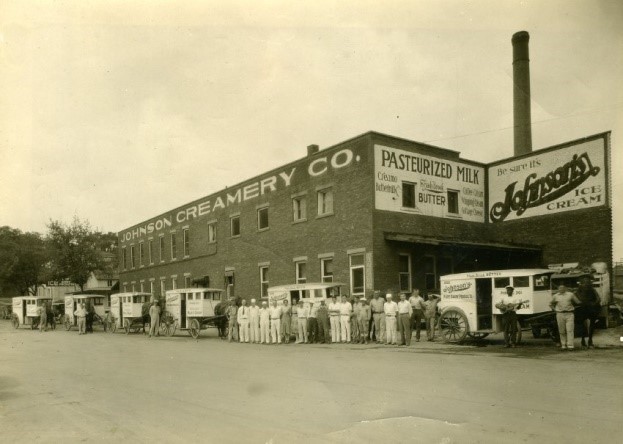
74	251
23	261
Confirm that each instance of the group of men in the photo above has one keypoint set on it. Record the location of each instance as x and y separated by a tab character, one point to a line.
339	321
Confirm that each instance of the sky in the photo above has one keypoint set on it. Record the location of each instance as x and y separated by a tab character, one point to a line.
117	111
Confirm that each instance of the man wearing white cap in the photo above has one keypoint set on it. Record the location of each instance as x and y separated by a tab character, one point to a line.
391	310
243	321
377	305
264	323
275	322
254	322
346	309
334	316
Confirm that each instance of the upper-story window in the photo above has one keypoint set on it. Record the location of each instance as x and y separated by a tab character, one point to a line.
150	251
211	232
124	258
161	248
173	246
453	202
408	195
234	224
132	257
262	218
186	242
299	208
325	201
141	254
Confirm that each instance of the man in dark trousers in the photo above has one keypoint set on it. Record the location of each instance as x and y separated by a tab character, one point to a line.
324	328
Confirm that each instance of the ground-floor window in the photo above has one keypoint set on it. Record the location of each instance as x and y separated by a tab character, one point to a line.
264	281
163	287
300	272
357	274
187	282
326	269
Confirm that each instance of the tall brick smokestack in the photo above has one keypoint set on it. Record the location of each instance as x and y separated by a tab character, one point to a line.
521	93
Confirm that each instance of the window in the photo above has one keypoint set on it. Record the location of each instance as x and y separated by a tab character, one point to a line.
541	282
501	282
357	274
125	288
234	224
163	287
408	195
301	272
325	202
133	287
151	287
212	232
430	275
444	265
263	281
141	254
150	251
124	258
299	208
173	282
453	202
187	282
326	270
262	218
173	246
521	281
142	287
132	258
186	243
161	248
404	272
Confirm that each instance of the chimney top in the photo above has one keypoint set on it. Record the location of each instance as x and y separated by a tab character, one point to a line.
312	149
520	36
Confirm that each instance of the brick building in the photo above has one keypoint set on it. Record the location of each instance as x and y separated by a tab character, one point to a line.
380	212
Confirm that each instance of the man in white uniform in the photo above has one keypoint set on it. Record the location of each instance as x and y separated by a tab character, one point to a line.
302	313
346	309
275	322
254	322
334	316
243	321
264	323
391	310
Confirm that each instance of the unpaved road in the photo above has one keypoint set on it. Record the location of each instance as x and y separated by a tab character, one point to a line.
62	387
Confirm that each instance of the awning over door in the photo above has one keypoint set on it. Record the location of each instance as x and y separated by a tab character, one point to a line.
415	239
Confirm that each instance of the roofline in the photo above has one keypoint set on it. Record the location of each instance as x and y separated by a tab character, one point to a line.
510	272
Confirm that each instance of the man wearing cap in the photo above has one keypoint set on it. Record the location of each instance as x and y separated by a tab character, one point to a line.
334	314
264	323
363	318
378	315
430	316
346	310
302	313
391	310
275	322
405	313
324	329
508	305
254	322
243	321
286	321
418	305
563	303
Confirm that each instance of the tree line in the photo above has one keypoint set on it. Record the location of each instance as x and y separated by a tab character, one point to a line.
66	252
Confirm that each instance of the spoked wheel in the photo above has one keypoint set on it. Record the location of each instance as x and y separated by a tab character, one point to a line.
477	335
453	326
126	326
15	321
195	328
536	332
167	325
519	334
67	322
112	326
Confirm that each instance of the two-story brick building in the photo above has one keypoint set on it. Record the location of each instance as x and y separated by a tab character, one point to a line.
380	212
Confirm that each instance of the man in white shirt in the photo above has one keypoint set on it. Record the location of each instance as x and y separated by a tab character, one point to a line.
275	322
334	316
418	305
302	313
254	322
391	309
346	309
264	323
378	314
243	321
404	317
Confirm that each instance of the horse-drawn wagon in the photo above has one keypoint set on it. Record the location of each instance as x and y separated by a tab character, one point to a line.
27	310
95	303
191	309
468	302
129	311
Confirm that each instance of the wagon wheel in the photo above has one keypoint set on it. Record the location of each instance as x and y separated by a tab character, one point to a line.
536	332
34	323
168	324
15	321
67	322
519	334
453	326
112	326
126	326
195	328
477	335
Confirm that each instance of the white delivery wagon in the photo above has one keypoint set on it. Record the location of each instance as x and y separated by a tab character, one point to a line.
128	311
192	309
26	310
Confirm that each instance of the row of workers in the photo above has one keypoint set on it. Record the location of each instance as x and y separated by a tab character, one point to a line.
384	321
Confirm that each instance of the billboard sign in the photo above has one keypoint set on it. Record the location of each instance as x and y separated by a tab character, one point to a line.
409	182
562	179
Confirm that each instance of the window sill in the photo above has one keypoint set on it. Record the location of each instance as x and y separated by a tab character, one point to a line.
259	230
299	221
321	216
235	237
410	209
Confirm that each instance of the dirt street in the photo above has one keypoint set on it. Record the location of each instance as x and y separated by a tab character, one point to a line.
62	387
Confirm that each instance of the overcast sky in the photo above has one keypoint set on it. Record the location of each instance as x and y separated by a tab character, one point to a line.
118	111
